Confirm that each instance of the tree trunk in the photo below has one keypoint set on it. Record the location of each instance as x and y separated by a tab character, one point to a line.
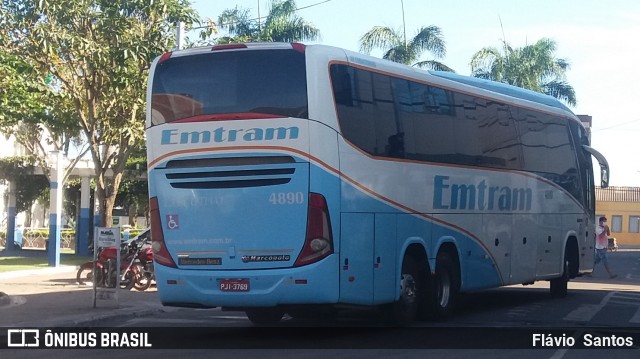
107	190
133	215
100	197
27	218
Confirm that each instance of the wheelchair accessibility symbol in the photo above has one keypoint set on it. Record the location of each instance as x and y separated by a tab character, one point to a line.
172	221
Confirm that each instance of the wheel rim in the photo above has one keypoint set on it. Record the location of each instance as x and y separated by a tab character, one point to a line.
408	290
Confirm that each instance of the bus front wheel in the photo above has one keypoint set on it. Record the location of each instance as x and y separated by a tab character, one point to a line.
558	286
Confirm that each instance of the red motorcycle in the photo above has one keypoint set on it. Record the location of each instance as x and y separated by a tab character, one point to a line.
132	273
145	260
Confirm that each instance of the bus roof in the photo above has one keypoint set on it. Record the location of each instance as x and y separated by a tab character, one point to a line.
494	87
503	88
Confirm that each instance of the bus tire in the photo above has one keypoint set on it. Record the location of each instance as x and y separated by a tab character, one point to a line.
404	311
265	316
558	286
442	288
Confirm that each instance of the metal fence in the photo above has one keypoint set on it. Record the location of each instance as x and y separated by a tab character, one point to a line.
37	238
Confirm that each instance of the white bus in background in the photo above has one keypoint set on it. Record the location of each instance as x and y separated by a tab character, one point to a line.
287	178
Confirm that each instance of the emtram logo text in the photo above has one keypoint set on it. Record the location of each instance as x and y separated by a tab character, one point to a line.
449	195
175	137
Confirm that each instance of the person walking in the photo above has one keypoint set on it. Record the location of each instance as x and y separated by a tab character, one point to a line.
602	243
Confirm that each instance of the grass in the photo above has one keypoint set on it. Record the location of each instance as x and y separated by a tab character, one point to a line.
14	263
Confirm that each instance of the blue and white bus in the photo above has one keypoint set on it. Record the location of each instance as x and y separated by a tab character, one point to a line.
290	178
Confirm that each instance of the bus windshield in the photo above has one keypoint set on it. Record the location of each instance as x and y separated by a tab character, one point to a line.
218	83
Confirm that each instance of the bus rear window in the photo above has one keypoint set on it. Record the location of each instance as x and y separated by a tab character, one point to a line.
270	82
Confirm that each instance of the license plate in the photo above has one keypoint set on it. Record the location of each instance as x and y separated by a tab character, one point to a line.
234	285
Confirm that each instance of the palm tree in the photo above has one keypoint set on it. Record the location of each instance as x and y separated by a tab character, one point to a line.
396	48
533	67
281	24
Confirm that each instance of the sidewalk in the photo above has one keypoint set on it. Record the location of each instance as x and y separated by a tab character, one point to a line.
51	297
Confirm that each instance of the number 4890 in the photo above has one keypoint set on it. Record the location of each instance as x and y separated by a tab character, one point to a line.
282	198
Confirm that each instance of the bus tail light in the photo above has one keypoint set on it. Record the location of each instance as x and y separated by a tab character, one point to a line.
298	47
166	56
160	253
318	242
228	47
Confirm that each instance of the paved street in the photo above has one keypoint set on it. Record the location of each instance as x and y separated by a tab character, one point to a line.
52	298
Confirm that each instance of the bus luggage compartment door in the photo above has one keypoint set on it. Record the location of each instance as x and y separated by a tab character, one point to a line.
356	258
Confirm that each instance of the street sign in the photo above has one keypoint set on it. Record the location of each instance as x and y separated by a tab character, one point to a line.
106	239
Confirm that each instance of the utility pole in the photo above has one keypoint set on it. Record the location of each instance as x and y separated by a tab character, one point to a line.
259	19
404	26
179	35
55	208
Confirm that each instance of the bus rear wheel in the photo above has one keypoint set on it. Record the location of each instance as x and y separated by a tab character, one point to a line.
442	288
265	316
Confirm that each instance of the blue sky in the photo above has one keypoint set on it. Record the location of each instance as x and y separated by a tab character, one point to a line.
600	39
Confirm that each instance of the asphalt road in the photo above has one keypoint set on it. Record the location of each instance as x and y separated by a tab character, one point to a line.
497	323
592	301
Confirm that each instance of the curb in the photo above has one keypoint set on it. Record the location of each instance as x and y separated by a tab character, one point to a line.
97	320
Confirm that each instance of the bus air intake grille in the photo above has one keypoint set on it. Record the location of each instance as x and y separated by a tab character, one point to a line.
235	172
231	184
229	161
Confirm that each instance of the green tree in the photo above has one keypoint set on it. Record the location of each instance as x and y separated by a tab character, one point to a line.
99	53
32	110
22	91
281	25
134	191
533	67
397	48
